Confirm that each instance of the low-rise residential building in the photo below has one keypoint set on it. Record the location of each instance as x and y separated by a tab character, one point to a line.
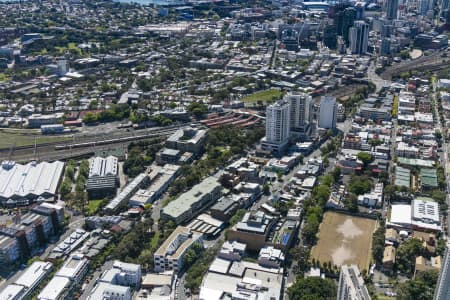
171	253
68	276
125	195
225	208
124	274
193	202
374	198
271	257
253	230
26	284
232	251
389	258
160	178
104	290
423	264
405	150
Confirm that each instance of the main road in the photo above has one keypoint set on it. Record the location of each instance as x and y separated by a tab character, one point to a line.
444	147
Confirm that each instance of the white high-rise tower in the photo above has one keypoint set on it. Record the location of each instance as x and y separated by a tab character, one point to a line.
328	112
300	113
277	126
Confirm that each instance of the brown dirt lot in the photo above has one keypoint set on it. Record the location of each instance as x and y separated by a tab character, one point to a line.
345	239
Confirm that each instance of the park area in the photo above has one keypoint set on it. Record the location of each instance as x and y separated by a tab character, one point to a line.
345	239
267	96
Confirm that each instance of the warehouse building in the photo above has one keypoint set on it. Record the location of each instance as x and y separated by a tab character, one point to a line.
25	184
421	215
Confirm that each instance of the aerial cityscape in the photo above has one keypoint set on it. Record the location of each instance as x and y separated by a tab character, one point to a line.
224	150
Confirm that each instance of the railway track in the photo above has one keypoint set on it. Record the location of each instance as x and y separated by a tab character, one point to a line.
432	62
65	150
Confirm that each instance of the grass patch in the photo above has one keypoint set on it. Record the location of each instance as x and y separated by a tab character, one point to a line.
3	77
72	46
167	200
264	96
8	138
93	206
154	242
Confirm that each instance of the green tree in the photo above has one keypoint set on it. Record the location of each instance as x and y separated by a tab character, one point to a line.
65	188
360	185
336	174
378	244
351	202
407	253
90	118
365	157
198	109
420	288
312	288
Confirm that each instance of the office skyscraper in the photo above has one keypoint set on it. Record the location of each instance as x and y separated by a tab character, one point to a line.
300	112
385	47
343	20
424	6
277	126
444	7
328	112
329	36
359	36
391	9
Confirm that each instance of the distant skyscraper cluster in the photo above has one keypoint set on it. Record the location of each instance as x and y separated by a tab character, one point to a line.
349	26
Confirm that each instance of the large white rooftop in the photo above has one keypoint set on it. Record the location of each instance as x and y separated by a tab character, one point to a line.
30	179
54	288
401	214
34	274
72	267
12	292
426	210
100	166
